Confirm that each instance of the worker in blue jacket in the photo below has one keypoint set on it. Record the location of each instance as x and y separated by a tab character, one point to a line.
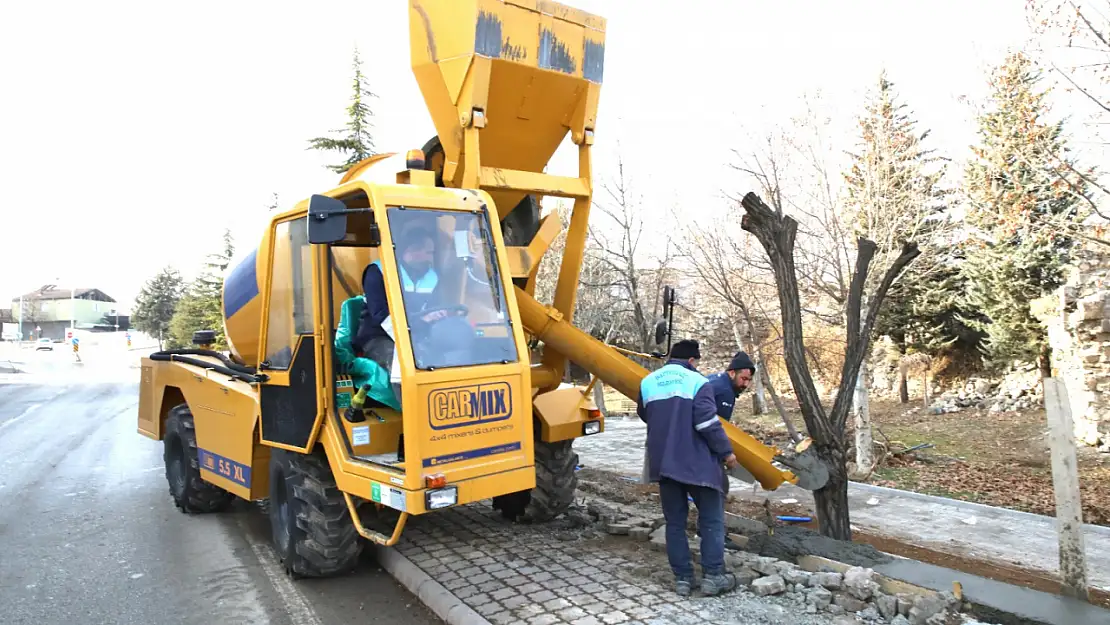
728	384
686	448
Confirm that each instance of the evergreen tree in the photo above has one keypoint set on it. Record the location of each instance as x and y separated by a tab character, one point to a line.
1025	206
156	303
355	140
894	195
201	307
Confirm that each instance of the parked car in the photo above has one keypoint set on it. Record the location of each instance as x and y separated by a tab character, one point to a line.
44	344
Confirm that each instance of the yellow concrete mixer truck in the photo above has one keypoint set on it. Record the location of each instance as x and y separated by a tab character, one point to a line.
459	411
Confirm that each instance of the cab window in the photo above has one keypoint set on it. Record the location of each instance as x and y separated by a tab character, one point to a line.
290	314
451	288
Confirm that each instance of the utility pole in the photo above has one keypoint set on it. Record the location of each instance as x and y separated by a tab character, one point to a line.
20	334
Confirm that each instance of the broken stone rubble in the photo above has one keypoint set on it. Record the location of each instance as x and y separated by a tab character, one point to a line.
1018	390
854	593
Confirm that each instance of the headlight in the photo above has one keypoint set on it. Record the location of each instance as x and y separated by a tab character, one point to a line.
441	498
591	427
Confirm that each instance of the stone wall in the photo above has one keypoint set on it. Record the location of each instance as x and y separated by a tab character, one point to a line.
1078	322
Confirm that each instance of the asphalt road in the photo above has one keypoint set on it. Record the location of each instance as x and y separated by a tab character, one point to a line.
88	533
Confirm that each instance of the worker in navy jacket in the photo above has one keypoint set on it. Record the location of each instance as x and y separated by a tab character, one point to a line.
728	384
686	448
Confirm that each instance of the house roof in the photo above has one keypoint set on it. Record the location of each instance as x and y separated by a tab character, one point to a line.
53	292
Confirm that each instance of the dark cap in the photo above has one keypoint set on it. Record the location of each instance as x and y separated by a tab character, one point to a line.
685	350
741	361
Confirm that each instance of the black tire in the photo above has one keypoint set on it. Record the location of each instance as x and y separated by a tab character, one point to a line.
313	533
179	452
556	482
520	226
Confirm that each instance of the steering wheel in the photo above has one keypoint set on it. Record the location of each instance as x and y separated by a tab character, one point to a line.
458	309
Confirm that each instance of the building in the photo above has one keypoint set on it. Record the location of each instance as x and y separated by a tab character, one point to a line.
51	310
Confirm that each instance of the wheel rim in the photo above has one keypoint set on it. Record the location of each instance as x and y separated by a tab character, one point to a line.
176	467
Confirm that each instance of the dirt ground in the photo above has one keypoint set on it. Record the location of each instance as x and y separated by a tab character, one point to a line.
998	459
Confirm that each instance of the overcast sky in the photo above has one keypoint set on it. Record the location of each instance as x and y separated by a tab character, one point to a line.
132	133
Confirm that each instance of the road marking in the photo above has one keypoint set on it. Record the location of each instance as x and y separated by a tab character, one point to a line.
296	606
29	410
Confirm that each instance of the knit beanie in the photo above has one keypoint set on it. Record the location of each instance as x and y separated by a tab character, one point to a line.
741	361
685	350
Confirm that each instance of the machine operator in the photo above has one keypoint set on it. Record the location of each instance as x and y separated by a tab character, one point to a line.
418	281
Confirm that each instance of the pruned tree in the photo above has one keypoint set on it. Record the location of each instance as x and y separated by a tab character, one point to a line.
355	140
892	195
156	303
796	168
777	232
1025	218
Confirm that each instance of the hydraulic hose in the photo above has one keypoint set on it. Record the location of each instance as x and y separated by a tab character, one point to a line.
170	356
196	351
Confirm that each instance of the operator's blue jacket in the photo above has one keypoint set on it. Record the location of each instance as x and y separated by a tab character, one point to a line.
685	441
724	394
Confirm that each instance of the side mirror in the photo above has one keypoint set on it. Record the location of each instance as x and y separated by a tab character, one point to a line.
660	331
327	219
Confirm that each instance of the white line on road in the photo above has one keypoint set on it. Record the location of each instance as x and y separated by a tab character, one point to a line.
29	410
296	606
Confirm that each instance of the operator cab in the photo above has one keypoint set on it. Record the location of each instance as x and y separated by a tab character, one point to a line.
445	293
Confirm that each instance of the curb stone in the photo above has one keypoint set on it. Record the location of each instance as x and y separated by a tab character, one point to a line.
430	592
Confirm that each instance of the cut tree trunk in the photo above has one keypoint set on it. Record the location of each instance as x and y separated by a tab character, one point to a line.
903	388
831	502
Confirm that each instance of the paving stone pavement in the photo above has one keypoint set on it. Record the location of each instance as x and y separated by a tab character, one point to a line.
557	573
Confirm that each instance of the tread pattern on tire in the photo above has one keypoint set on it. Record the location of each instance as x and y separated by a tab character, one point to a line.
556	480
199	495
324	540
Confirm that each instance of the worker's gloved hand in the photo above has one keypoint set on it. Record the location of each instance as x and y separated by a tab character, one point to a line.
731	461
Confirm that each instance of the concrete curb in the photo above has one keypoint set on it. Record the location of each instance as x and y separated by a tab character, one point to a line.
438	599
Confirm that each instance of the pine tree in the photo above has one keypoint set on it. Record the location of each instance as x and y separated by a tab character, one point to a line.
1025	206
894	195
201	307
156	303
356	141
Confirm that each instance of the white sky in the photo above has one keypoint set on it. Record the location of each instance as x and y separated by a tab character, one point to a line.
132	133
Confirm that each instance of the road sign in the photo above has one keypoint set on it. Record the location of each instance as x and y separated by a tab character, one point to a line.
69	334
75	343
